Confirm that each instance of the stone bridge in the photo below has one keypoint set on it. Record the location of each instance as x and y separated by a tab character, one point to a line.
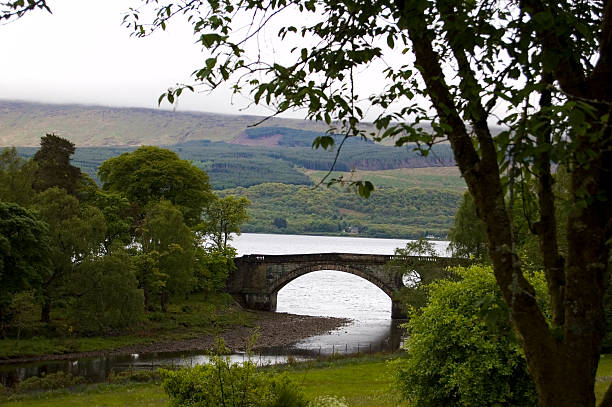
258	278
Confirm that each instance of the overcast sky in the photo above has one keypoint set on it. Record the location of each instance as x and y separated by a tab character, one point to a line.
82	54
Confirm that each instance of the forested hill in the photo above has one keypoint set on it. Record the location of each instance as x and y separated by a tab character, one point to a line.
231	165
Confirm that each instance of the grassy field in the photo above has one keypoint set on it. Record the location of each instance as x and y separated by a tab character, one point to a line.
430	177
183	320
363	382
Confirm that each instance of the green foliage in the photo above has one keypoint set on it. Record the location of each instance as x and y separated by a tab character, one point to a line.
417	276
24	312
170	245
232	165
419	247
150	174
52	381
211	269
107	297
468	236
539	68
389	212
118	214
222	383
53	165
223	217
462	350
24	251
75	232
16	177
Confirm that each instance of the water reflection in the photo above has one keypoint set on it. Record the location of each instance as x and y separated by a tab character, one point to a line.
339	294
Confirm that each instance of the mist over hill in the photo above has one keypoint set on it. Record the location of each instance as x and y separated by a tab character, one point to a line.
23	123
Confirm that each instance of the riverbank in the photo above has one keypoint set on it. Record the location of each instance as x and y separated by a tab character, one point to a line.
270	329
365	381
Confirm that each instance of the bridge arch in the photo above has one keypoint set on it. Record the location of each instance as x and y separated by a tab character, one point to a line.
288	277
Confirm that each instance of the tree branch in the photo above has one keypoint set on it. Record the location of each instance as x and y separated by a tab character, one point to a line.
555	42
482	177
546	227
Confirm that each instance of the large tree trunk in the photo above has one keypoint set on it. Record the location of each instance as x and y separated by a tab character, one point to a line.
562	360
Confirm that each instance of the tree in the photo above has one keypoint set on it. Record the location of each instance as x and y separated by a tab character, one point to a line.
24	312
150	174
468	237
224	217
75	232
211	268
53	165
106	293
16	177
541	67
170	245
24	251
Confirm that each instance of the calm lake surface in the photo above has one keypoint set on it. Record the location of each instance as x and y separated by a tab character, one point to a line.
320	293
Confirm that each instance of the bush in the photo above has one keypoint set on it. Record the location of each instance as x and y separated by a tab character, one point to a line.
462	350
51	381
222	383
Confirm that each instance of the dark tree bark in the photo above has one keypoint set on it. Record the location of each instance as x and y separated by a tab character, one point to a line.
562	360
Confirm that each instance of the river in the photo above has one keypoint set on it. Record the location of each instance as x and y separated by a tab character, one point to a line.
320	293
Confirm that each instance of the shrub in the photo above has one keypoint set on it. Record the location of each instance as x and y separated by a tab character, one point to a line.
221	383
51	381
462	350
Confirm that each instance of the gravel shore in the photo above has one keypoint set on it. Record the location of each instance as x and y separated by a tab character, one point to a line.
273	329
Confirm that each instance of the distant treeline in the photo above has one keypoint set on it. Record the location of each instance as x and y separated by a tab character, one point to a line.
234	165
389	212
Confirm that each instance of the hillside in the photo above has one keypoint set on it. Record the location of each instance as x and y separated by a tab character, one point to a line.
389	212
23	123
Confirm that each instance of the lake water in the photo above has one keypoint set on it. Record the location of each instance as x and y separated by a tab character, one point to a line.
320	293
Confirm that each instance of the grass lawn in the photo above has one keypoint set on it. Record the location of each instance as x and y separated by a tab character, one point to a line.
132	395
359	382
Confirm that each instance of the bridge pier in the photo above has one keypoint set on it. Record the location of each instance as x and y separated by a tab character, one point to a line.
397	311
260	301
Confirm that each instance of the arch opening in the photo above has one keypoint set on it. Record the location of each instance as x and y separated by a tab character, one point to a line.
335	293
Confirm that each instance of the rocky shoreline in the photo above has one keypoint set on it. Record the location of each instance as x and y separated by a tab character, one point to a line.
272	329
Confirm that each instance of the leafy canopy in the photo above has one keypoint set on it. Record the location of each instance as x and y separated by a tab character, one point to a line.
53	165
150	174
